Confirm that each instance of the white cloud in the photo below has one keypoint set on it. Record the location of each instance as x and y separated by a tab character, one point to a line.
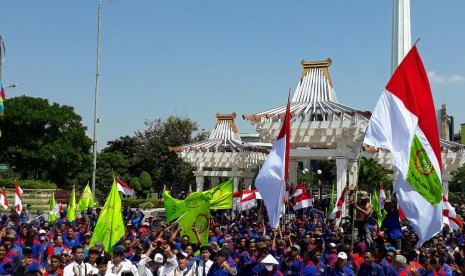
436	78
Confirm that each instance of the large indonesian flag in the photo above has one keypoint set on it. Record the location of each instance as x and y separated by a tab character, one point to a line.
271	180
404	122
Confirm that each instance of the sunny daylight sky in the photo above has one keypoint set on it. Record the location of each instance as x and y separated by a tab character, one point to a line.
199	58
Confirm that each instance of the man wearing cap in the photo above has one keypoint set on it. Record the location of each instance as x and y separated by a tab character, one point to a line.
182	268
93	253
399	266
369	267
39	248
293	263
340	268
157	265
77	267
363	210
119	264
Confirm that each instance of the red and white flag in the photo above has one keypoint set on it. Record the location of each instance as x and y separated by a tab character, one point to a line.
3	199
18	196
303	200
272	178
244	200
337	211
57	209
299	189
404	122
124	187
382	196
450	216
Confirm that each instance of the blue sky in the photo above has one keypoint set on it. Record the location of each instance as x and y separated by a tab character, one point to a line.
197	58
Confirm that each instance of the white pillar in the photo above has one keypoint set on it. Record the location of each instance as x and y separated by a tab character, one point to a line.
293	165
353	172
199	180
445	178
248	184
401	37
341	180
236	183
214	180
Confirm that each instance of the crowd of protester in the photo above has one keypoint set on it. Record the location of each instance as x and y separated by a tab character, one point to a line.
240	243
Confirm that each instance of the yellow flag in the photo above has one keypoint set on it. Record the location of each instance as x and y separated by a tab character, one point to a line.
52	217
86	200
71	215
110	225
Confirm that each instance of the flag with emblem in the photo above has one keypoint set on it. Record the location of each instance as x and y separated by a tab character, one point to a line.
404	122
110	225
86	200
222	195
196	215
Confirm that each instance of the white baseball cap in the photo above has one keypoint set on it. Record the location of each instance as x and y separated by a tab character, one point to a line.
158	258
342	255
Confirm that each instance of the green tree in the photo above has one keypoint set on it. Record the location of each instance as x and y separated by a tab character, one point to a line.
371	173
145	180
457	184
134	183
109	165
45	141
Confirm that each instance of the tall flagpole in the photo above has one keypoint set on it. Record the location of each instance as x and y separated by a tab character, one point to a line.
401	34
97	79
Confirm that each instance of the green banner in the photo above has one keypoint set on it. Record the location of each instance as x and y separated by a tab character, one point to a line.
421	174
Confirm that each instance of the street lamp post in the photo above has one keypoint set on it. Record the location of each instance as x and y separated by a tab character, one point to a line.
318	172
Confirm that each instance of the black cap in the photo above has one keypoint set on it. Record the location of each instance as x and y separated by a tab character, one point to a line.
119	250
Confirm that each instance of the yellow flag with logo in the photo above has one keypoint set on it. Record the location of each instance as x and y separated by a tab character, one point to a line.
86	200
110	225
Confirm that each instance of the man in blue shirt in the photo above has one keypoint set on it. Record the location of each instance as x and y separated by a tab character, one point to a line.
369	267
340	269
222	267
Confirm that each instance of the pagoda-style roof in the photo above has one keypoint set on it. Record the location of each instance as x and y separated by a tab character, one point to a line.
223	138
314	99
224	148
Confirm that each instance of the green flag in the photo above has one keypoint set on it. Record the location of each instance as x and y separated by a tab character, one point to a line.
71	215
331	202
86	200
174	208
222	195
197	215
52	216
110	225
380	214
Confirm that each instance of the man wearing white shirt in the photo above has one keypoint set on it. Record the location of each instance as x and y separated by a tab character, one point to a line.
202	266
119	264
77	267
158	266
